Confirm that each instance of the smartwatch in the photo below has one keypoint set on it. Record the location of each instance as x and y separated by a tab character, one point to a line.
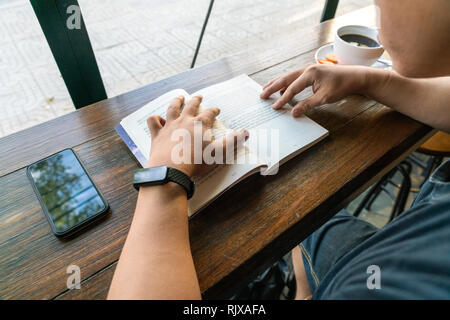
161	175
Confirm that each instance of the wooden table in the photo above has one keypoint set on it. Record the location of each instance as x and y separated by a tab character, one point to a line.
239	235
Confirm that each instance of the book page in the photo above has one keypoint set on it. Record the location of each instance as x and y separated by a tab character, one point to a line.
136	123
275	135
221	178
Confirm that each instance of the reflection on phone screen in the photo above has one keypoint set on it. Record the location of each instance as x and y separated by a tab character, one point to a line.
66	191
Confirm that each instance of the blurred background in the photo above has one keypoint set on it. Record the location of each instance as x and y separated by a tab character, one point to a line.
136	42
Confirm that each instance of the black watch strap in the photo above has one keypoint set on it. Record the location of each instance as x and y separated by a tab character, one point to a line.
161	175
182	179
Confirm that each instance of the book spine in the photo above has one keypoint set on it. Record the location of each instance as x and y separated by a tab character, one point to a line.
131	145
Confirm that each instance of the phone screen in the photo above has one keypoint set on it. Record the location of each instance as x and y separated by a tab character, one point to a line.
67	194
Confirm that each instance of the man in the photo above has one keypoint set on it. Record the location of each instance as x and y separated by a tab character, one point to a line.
413	252
409	258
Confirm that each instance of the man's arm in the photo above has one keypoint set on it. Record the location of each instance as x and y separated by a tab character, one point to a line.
425	100
156	260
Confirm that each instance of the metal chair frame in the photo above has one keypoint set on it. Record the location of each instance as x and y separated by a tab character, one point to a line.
404	169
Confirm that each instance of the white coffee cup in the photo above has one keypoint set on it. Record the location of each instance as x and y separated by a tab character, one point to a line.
347	53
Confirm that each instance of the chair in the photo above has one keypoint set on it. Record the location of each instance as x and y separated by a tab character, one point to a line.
404	169
72	51
438	147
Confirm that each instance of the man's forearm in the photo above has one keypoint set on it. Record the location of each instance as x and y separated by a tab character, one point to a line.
156	261
425	100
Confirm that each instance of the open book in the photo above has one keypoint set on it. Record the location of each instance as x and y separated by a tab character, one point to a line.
275	136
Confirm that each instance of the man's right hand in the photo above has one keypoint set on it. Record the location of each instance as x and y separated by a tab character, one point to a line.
329	83
165	140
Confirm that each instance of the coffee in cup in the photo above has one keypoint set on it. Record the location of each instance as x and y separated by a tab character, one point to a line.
357	45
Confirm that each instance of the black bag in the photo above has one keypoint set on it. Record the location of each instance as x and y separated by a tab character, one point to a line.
275	283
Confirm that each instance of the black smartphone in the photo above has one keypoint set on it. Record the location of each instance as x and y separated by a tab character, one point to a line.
68	196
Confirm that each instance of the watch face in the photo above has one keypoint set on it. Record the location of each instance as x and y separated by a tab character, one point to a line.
155	174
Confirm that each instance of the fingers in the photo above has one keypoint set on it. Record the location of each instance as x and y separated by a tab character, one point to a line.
192	106
279	83
173	111
208	116
311	102
301	83
155	123
274	86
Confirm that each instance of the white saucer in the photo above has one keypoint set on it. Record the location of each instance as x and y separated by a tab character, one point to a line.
322	52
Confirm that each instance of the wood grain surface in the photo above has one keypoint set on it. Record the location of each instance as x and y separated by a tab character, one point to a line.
230	243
